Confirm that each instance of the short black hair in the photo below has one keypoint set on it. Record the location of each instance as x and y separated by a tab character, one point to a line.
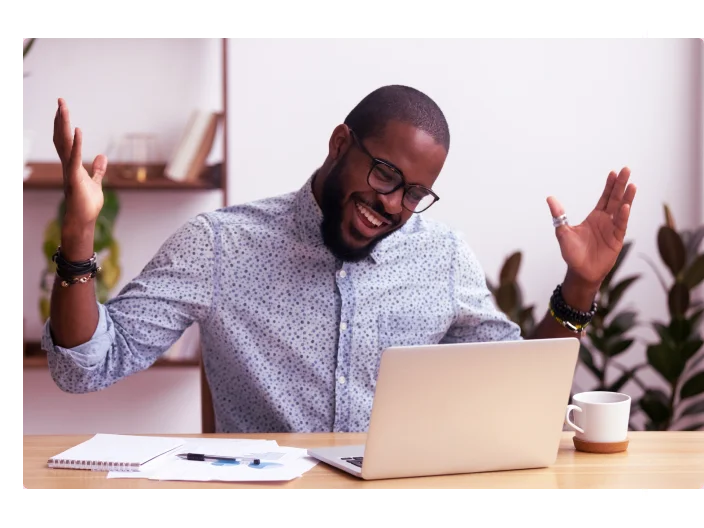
398	103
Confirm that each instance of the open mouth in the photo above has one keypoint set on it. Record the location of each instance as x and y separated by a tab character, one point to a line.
371	221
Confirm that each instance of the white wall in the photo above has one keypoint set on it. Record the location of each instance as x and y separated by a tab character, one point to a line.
528	118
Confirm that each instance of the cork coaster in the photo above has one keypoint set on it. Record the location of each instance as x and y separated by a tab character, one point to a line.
599	447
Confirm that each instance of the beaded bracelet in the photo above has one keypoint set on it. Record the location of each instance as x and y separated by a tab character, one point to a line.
76	280
571	318
75	272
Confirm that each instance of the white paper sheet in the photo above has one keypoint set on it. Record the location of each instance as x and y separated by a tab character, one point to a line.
278	463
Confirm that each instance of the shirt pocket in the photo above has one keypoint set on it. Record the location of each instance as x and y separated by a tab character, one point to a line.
405	330
411	330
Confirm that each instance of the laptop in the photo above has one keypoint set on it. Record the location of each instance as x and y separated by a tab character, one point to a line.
463	408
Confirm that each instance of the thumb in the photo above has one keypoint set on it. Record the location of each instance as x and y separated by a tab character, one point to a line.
100	165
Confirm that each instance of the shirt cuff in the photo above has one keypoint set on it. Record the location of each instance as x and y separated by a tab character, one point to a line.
90	353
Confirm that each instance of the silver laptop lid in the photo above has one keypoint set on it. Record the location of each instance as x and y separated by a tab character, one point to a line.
463	408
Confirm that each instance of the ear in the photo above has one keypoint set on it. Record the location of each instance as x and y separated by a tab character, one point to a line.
339	142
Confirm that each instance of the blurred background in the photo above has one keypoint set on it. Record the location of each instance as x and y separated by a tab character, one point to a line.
528	119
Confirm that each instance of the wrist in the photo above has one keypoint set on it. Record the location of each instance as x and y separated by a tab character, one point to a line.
578	293
77	242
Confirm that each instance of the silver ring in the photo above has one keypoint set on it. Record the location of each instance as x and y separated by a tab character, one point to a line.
558	221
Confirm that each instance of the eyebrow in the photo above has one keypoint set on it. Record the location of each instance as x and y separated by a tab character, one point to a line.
387	162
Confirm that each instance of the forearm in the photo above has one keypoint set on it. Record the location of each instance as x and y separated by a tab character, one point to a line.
74	312
578	295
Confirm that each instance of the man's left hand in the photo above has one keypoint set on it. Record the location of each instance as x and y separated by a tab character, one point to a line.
590	249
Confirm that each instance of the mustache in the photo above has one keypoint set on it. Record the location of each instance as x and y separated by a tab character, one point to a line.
379	209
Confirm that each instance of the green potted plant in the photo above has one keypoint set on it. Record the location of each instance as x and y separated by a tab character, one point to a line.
509	297
608	334
105	245
676	357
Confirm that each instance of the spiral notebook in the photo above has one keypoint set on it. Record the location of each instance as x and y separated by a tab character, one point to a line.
109	452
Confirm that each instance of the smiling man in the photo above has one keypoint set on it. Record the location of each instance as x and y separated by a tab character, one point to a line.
296	296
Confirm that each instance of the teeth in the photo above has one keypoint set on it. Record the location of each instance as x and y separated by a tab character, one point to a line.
367	214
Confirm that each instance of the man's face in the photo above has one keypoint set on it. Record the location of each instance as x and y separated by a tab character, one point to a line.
348	200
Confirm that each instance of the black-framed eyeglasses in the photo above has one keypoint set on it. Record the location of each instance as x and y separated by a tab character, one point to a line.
384	178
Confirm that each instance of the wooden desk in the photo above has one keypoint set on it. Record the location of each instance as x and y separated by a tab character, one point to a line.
653	460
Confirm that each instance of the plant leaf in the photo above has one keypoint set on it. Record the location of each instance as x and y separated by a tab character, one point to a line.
689	348
679	329
621	381
671	249
693	386
506	297
664	333
585	356
111	206
695	408
696	362
617	292
669	220
509	271
624	321
694	319
656	406
692	245
694	273
619	260
619	347
103	234
678	299
666	361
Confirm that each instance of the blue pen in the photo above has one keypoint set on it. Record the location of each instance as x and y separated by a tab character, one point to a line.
217	458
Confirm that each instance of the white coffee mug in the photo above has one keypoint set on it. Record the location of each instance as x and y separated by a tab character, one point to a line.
600	416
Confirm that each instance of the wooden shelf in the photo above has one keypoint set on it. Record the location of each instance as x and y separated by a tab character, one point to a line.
35	358
47	176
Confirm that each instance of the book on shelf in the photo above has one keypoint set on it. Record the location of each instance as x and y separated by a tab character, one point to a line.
189	158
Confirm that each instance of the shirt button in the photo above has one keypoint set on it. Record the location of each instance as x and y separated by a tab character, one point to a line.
343	274
342	380
343	326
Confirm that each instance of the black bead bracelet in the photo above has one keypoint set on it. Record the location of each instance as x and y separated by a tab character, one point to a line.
74	272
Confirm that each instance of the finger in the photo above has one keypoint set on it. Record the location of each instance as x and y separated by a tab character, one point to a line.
65	135
616	196
100	165
629	194
610	180
58	134
556	210
621	222
75	159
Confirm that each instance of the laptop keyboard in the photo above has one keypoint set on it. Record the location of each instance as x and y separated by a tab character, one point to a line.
355	461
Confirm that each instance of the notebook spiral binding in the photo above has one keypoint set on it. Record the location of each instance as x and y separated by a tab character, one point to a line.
93	465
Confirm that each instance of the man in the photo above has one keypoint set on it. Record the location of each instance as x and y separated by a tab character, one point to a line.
296	296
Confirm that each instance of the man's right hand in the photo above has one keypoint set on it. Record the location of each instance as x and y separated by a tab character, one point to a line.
84	194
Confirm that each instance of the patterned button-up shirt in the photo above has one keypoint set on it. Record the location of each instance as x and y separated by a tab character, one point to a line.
291	337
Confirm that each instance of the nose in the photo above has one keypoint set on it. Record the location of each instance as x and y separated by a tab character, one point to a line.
393	201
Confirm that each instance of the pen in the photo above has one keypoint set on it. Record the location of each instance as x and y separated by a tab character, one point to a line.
216	458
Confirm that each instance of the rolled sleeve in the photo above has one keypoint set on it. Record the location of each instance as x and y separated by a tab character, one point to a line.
477	319
89	354
173	291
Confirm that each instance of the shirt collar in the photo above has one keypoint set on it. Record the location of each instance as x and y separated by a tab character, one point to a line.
309	218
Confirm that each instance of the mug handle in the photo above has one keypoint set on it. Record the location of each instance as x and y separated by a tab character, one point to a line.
567	418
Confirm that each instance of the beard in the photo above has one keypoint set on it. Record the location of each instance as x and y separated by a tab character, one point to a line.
331	227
